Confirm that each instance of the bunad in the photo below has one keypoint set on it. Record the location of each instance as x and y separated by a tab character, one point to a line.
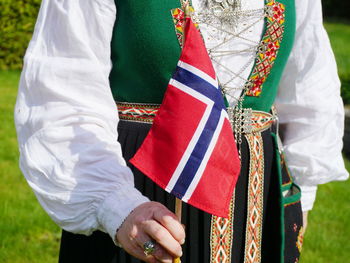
94	78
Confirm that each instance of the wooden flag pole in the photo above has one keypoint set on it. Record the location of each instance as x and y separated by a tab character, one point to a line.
178	203
178	209
178	213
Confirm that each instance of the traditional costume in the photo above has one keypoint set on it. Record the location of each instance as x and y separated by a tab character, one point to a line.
67	120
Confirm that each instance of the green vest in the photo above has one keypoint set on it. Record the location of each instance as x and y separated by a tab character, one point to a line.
145	52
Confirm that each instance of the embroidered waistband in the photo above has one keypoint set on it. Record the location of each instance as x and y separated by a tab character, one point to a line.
138	112
243	121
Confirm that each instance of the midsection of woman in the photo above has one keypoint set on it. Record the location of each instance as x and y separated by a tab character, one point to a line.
233	36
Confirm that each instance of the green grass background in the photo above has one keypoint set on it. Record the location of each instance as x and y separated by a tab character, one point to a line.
28	235
339	33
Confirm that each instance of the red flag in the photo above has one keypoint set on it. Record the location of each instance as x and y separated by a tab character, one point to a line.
190	150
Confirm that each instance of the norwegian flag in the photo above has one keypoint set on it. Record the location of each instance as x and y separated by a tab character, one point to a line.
190	150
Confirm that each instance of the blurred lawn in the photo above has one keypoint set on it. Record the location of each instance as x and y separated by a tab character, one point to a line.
327	236
339	33
28	235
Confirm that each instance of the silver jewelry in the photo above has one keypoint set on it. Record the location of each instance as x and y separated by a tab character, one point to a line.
220	7
229	20
149	247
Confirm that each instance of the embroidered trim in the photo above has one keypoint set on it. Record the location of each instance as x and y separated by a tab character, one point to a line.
178	15
293	203
268	48
261	121
300	239
221	236
137	112
256	121
253	237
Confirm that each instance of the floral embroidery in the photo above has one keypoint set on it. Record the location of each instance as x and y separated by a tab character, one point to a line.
300	239
295	227
178	18
268	48
179	22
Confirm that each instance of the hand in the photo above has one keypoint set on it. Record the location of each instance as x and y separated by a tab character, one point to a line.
152	221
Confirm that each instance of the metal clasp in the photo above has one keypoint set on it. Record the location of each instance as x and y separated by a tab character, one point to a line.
240	119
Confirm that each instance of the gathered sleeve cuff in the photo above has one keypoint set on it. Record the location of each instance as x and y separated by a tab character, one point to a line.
116	207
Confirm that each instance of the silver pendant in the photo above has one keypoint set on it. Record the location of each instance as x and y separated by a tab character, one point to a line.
221	7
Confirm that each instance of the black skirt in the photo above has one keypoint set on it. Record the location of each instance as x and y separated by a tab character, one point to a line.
99	247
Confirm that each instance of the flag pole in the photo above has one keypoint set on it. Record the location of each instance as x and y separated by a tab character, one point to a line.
178	208
178	213
178	202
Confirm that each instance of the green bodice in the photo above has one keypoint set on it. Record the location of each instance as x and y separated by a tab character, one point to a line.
145	52
264	101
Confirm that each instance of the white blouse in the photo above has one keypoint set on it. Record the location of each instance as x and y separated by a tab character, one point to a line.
66	117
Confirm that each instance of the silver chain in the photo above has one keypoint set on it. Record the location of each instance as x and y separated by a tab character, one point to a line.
226	20
223	18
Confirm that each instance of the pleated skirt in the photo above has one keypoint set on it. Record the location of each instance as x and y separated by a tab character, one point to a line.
99	247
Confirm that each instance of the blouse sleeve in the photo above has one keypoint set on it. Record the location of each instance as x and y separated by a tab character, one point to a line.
66	119
310	107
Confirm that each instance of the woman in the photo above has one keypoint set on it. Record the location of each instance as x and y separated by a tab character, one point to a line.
66	119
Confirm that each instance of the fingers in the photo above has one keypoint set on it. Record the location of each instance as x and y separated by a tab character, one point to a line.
152	221
163	237
171	223
159	252
135	249
162	255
